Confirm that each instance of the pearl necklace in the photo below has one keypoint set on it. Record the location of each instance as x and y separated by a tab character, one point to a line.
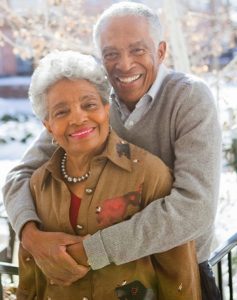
71	179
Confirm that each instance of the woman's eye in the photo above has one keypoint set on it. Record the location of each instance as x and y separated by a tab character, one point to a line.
91	105
60	113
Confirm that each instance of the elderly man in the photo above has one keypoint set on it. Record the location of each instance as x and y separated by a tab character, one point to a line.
172	115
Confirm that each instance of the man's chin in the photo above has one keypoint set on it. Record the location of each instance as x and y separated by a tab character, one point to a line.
129	100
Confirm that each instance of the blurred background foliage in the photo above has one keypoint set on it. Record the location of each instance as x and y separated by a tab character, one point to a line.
201	36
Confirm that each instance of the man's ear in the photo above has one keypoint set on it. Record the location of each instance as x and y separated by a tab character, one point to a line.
107	108
161	51
46	124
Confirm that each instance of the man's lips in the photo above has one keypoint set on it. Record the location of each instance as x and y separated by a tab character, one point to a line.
128	79
82	133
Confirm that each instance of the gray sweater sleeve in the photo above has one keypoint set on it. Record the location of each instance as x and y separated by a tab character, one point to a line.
189	211
16	192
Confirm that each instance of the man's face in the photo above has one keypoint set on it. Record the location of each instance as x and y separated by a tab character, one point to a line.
130	57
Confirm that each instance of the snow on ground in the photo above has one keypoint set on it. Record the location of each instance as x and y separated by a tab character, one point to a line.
226	220
15	137
15	81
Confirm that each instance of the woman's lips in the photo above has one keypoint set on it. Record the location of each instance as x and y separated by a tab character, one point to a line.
82	133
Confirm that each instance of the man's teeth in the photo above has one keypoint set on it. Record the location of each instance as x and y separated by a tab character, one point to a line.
128	79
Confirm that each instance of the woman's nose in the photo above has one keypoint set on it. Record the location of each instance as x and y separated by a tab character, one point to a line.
78	116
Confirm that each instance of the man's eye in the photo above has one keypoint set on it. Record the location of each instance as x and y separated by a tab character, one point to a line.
110	55
138	51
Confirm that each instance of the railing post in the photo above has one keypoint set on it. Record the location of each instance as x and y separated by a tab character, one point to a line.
220	283
230	279
1	288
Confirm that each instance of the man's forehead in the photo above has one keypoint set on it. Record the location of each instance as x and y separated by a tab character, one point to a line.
130	44
119	30
117	21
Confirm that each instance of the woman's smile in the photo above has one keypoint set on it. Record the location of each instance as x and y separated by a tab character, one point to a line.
82	133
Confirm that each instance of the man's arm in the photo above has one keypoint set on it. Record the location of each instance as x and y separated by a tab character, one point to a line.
16	191
189	211
47	248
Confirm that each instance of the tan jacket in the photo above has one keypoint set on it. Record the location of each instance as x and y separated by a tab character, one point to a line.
124	179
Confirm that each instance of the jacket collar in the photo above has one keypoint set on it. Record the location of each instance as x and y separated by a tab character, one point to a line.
117	151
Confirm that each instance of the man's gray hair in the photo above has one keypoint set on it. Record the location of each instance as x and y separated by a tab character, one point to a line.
65	64
122	9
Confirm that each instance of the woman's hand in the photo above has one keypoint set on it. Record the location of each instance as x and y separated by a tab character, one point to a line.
49	250
77	252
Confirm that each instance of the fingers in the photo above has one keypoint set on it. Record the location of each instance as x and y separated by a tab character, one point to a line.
80	273
68	239
77	252
60	267
49	252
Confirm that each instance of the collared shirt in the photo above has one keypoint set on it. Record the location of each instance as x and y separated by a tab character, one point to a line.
130	118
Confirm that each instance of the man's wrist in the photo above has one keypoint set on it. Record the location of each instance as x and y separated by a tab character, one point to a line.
27	234
95	251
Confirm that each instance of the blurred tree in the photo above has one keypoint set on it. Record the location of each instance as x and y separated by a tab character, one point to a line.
177	42
200	34
210	32
58	24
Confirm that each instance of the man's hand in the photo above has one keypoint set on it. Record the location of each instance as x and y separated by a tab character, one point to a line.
49	252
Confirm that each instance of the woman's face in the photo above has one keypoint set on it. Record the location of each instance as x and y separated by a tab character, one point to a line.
77	118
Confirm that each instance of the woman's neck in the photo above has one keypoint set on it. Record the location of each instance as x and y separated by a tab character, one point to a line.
78	165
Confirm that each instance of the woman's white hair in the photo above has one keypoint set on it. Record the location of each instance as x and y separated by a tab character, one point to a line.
65	64
122	9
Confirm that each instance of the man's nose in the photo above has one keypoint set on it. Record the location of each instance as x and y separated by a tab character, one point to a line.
125	62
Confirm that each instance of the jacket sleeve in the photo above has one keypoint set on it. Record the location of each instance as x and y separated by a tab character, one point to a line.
16	191
189	211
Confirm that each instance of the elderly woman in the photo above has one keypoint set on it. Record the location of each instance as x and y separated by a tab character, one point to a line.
93	180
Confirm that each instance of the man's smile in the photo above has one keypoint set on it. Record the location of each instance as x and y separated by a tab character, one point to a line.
128	79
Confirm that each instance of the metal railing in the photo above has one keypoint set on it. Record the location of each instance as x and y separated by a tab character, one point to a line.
6	269
217	257
223	256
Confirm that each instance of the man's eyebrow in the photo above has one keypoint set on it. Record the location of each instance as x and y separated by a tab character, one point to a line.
138	43
132	45
108	48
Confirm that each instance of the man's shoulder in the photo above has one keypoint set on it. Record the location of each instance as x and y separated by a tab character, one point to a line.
179	78
188	87
39	173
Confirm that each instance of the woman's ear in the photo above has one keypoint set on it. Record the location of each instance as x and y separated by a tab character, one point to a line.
47	126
